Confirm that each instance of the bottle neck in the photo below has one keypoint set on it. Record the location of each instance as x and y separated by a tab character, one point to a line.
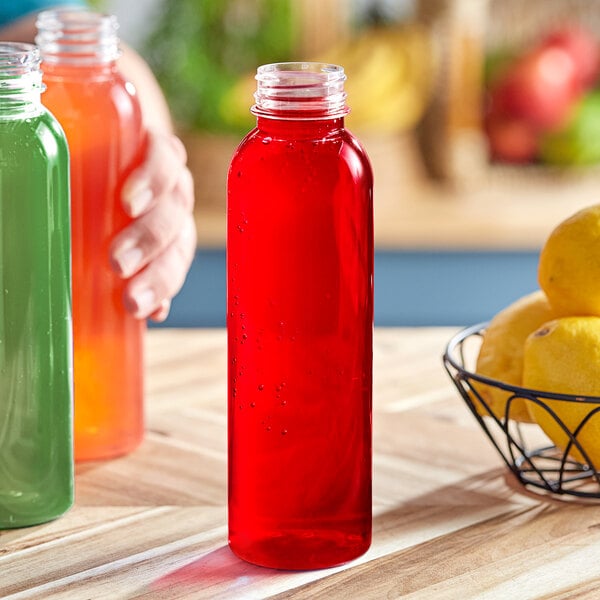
77	38
20	80
298	129
74	72
300	91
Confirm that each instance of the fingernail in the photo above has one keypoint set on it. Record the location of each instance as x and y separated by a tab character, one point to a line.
145	301
139	201
129	260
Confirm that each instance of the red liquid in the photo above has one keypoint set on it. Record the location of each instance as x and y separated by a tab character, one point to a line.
299	318
102	120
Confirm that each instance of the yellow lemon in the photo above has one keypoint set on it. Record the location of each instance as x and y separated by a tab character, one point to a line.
563	357
569	265
501	353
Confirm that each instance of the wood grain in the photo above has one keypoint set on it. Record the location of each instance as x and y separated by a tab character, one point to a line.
449	521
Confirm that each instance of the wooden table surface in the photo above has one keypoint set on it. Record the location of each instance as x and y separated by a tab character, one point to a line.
449	522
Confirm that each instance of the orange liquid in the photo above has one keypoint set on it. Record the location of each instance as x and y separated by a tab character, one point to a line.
102	121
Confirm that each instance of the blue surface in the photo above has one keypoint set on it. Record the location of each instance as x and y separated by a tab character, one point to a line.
449	288
412	288
15	9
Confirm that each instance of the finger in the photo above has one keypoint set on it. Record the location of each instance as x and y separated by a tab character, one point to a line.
164	162
179	148
152	232
184	191
163	277
144	239
162	313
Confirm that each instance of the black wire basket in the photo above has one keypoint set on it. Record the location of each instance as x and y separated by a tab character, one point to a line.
526	450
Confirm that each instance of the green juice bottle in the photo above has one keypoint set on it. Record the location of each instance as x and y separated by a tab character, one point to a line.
36	399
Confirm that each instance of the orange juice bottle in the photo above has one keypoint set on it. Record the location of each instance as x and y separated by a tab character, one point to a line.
101	116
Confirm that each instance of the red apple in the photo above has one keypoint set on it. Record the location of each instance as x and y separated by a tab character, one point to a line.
511	140
582	47
540	88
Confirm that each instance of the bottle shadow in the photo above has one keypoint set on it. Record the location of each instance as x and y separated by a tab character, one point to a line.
216	574
221	574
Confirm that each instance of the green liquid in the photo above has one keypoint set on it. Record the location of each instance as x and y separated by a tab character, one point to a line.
36	457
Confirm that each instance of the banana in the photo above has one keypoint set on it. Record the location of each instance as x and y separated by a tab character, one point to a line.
389	72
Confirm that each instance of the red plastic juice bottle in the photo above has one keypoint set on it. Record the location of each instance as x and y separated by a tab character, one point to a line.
36	386
300	322
101	116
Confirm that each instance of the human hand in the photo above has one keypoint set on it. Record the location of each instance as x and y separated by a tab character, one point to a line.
156	250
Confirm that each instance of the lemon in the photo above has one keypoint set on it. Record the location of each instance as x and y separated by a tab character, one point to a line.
569	265
563	356
501	353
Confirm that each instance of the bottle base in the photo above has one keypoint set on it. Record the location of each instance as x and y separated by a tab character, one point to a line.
300	551
95	450
18	518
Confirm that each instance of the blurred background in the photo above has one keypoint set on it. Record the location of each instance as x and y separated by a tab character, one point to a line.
481	119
